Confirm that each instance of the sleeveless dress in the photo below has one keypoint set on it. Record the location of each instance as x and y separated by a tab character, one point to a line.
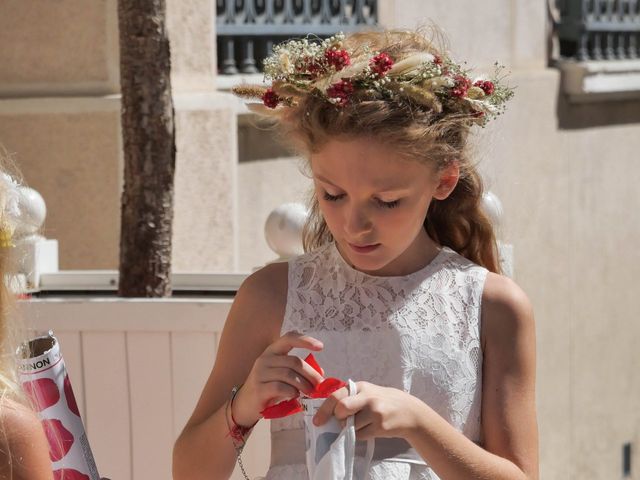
419	333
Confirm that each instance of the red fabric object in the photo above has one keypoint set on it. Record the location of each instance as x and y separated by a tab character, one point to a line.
69	474
327	387
311	360
282	409
43	392
292	406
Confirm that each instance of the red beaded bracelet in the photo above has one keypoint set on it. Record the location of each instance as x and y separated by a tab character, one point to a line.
237	432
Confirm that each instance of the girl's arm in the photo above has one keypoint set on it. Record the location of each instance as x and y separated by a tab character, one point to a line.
251	352
24	451
509	426
203	449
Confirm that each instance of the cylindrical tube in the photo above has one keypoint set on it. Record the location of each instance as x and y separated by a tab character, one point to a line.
44	378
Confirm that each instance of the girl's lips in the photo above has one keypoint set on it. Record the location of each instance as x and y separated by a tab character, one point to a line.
365	249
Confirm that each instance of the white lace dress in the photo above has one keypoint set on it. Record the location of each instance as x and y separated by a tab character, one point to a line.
419	333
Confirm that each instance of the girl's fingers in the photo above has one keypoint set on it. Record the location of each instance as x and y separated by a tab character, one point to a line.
297	365
365	432
279	391
288	376
349	406
291	340
326	409
361	419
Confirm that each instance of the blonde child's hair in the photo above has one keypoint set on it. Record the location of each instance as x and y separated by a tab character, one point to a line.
12	331
428	135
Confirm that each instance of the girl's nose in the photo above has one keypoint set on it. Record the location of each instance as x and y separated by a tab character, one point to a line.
357	223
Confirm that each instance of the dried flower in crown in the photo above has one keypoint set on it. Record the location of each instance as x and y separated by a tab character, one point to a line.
326	69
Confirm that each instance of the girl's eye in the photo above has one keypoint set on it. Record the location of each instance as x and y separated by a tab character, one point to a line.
393	204
335	198
332	198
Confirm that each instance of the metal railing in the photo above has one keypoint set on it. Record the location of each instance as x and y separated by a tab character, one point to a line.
599	29
248	29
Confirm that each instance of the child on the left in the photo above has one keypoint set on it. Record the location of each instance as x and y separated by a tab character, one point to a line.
24	451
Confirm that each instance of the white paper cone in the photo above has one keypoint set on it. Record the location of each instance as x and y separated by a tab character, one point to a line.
44	378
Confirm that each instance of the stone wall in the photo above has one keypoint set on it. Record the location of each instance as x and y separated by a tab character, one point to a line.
59	116
565	174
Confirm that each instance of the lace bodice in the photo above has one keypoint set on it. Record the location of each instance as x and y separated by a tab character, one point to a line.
419	333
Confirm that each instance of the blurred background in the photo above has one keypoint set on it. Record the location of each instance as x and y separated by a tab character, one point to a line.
563	161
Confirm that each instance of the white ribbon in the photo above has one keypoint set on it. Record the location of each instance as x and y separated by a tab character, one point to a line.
338	463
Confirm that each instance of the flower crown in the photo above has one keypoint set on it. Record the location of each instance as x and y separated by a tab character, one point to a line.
298	68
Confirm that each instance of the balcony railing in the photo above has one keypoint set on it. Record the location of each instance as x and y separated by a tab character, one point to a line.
248	29
599	29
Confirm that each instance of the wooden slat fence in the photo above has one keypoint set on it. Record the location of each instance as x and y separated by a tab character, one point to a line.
137	368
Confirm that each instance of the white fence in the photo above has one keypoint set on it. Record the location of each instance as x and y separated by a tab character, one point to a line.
137	368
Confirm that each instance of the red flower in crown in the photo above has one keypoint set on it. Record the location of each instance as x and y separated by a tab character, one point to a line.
341	90
311	67
270	98
381	64
337	58
437	59
461	86
486	86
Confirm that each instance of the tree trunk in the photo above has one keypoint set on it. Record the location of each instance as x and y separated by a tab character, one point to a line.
149	149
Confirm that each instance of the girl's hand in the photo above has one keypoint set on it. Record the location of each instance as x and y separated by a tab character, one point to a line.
379	411
276	376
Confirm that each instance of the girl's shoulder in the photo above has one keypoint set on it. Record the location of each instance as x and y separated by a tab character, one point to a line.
268	283
275	276
507	311
263	294
24	452
266	289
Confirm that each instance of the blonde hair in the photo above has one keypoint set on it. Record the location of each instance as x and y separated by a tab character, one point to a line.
12	332
426	135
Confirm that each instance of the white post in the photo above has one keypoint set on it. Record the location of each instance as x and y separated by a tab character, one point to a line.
33	254
493	207
283	230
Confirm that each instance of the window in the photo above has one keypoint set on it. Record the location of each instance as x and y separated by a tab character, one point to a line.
597	48
248	29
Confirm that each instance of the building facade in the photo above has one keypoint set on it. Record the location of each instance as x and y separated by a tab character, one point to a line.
563	161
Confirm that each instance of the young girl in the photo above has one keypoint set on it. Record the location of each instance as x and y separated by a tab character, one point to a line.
400	288
24	452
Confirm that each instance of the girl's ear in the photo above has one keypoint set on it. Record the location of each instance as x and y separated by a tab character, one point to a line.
449	177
